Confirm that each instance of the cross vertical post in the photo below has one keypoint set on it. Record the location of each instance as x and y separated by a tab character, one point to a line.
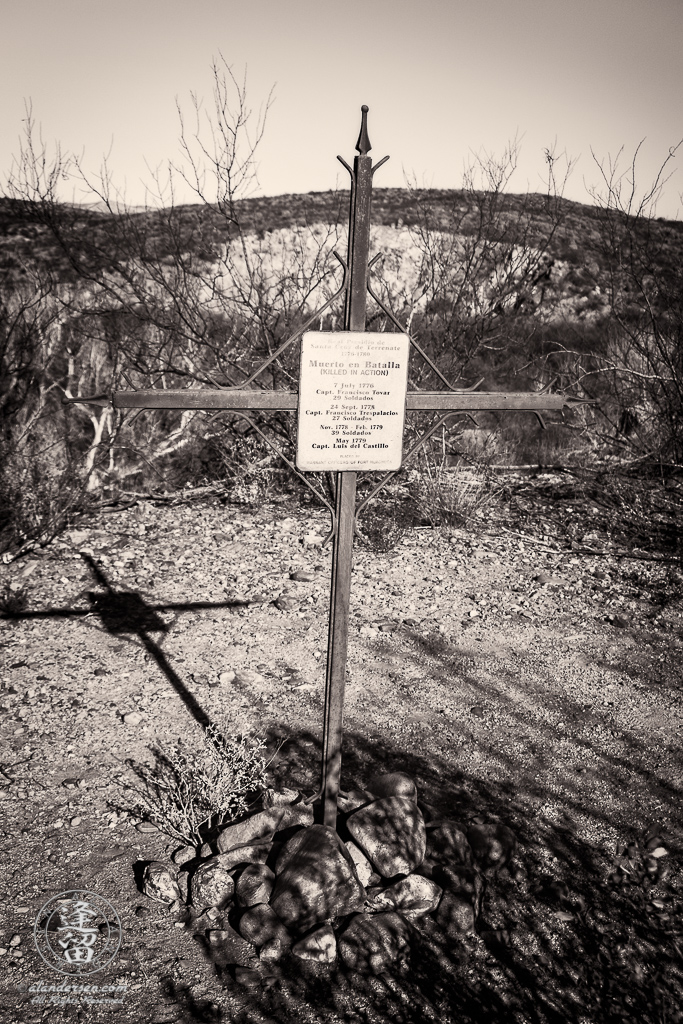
342	551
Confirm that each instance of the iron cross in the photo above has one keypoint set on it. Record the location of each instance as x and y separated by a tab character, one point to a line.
244	399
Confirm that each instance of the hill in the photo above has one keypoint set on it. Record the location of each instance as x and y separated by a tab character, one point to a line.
571	231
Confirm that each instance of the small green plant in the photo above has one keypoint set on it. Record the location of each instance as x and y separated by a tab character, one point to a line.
194	788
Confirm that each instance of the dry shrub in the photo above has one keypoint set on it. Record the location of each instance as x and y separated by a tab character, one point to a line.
41	490
194	788
446	495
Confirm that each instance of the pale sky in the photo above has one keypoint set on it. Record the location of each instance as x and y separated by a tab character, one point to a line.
442	78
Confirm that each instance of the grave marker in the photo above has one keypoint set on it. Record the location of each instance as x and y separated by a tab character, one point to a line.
331	403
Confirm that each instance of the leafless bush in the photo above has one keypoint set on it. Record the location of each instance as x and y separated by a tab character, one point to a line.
197	786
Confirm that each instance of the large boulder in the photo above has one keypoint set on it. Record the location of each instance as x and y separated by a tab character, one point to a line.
392	784
371	943
254	885
315	880
211	885
391	833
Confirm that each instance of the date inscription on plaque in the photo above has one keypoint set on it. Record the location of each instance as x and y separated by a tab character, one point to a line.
352	401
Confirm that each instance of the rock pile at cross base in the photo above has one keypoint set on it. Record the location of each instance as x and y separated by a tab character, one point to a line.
278	885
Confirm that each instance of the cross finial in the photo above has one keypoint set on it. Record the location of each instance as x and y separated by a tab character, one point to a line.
363	145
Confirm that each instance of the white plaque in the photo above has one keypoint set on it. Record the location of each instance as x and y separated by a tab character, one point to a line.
352	401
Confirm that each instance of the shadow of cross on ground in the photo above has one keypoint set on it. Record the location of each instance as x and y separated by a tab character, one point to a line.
125	613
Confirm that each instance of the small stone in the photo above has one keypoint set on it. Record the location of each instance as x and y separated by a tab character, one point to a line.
280	797
316	880
259	827
319	945
273	950
391	833
466	883
142	912
75	822
299	815
71	783
414	896
302	576
183	855
478	711
287	603
146	826
248	677
254	885
253	854
448	843
260	924
132	718
247	977
455	915
362	864
388	627
492	845
225	678
159	882
392	784
351	801
231	948
373	943
15	940
211	885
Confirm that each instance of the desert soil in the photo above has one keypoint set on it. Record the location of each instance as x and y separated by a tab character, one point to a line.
517	677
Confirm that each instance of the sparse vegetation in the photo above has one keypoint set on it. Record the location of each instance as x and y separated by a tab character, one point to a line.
195	787
520	290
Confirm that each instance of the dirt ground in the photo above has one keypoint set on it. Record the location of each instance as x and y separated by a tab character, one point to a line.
518	676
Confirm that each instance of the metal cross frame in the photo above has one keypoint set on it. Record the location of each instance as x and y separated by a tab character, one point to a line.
242	400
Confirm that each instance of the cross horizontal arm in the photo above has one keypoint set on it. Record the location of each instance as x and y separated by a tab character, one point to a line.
287	401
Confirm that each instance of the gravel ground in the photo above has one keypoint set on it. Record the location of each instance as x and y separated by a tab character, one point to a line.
517	679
